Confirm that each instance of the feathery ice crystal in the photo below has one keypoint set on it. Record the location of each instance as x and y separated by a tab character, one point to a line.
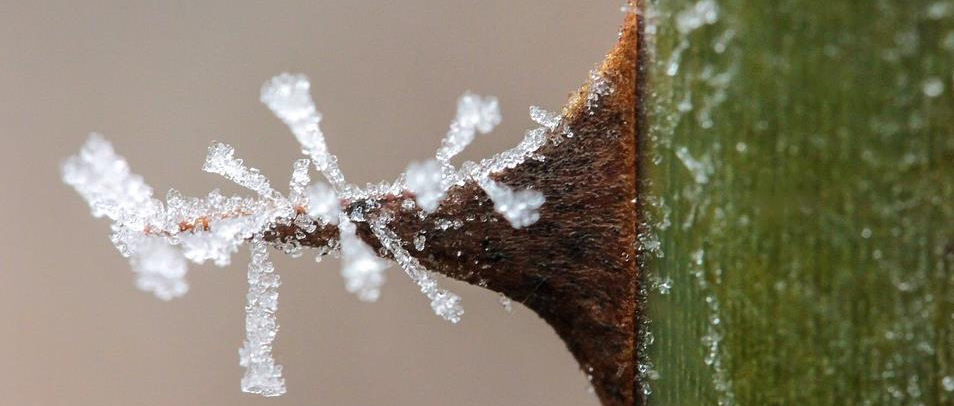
158	237
262	376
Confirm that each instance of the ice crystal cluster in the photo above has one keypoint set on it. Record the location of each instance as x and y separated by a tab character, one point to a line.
160	237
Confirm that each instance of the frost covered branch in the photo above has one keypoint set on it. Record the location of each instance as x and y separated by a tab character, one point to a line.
146	229
486	222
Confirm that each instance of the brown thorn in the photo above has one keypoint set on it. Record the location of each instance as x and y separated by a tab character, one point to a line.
577	266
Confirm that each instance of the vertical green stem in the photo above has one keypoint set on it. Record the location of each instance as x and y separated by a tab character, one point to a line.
801	190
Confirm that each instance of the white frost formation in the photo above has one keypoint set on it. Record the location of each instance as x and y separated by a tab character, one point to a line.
474	113
519	208
288	97
221	160
158	237
362	270
323	203
424	180
702	13
544	118
160	269
105	181
299	181
444	303
262	375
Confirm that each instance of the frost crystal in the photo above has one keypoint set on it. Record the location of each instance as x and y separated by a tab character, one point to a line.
474	113
363	271
298	182
221	160
419	241
220	242
700	169
599	86
519	208
532	141
160	269
933	87
424	180
262	375
544	118
506	303
104	180
288	97
323	203
444	303
948	383
699	14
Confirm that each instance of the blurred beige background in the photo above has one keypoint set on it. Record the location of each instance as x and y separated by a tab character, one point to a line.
162	79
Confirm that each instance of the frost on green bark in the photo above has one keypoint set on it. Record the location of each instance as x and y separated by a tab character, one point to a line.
800	193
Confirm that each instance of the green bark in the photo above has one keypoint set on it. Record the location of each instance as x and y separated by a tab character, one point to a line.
799	170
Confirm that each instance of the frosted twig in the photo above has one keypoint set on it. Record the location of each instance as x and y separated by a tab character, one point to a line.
466	242
212	228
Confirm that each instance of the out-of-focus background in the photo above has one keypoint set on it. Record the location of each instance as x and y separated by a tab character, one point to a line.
162	79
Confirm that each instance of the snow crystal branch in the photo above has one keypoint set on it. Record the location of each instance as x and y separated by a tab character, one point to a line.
262	375
424	180
362	270
160	269
444	303
106	182
221	160
299	181
288	97
474	113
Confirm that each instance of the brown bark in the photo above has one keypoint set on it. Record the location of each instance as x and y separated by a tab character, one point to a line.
577	266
